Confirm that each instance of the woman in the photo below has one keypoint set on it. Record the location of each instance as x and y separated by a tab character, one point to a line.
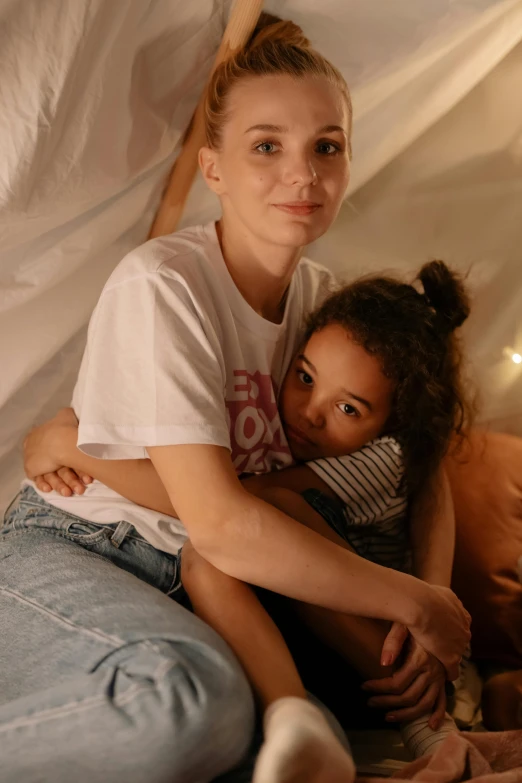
189	341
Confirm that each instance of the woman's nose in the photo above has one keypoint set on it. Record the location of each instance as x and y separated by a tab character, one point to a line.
300	171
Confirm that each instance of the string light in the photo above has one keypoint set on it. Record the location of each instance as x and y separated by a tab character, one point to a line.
515	357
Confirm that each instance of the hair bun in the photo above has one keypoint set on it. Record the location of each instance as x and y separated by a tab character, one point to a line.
446	294
272	29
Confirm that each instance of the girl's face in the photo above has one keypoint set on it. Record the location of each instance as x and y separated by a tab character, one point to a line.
283	166
335	397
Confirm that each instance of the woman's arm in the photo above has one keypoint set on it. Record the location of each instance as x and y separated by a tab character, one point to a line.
50	446
236	532
252	541
136	480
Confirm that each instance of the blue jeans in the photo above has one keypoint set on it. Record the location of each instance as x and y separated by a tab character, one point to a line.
103	676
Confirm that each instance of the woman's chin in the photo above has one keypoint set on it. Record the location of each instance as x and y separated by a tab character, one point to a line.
296	233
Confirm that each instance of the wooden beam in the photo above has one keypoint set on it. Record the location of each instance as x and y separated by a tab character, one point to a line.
243	19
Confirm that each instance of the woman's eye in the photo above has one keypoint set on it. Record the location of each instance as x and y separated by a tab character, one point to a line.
266	148
305	378
348	409
327	148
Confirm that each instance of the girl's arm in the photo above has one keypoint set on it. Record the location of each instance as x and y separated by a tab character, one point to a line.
432	532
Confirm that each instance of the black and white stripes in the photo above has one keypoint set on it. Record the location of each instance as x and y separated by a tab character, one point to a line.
369	483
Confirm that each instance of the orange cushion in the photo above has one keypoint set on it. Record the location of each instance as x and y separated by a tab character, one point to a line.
486	482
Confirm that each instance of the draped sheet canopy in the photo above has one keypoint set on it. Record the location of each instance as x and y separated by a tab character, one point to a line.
95	97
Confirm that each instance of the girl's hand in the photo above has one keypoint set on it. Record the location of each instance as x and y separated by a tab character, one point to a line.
415	689
43	454
443	628
64	480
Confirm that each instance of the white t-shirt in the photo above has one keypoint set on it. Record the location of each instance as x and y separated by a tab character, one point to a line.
175	355
369	484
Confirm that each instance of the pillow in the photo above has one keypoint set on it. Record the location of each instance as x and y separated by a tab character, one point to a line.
486	482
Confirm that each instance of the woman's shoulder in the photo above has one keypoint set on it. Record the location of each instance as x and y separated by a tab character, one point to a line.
316	282
182	255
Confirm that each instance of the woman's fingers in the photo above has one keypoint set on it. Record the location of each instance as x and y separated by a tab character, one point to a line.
65	481
423	706
71	480
42	484
446	628
393	644
56	483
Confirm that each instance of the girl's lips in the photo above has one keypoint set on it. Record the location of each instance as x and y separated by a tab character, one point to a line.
297	436
299	207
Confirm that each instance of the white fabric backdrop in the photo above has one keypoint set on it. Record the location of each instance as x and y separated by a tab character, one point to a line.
95	95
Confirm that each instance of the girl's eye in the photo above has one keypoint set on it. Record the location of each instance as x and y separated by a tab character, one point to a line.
266	148
348	409
327	148
305	378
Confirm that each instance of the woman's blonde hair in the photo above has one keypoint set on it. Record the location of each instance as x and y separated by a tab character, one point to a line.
276	47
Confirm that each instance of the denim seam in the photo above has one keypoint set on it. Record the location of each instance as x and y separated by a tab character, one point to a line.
73	706
97	634
79	537
17	532
163	668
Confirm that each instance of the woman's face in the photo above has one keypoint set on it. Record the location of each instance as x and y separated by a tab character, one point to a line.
335	397
283	166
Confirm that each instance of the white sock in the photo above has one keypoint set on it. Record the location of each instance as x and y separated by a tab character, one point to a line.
300	747
419	739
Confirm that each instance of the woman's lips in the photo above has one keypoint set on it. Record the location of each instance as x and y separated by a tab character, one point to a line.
298	207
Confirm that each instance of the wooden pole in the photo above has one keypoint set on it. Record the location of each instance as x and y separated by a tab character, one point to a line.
241	24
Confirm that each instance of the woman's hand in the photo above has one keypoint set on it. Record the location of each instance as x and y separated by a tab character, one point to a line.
416	688
442	627
43	455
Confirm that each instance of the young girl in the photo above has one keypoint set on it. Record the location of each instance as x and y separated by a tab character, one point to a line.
369	405
192	335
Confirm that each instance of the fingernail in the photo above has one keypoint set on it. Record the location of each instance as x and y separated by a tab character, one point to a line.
86	479
364	687
391	718
371	703
65	492
386	659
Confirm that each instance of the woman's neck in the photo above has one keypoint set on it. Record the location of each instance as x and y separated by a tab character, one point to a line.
261	272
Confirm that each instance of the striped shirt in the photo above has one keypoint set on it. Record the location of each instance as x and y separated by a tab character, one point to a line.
369	485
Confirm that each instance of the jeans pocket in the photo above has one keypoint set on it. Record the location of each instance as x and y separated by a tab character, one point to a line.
85	533
32	512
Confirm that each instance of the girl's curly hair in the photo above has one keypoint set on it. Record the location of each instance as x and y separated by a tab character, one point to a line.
412	334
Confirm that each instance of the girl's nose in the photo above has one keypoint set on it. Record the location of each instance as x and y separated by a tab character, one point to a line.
313	414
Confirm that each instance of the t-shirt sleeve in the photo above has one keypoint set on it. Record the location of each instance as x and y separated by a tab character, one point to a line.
153	372
367	481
